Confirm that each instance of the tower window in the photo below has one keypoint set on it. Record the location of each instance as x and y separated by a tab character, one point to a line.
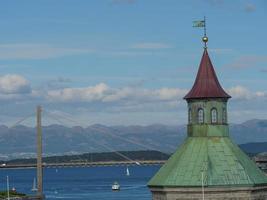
200	116
224	116
214	115
189	116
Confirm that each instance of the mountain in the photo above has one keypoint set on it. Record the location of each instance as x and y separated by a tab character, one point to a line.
255	147
20	141
250	131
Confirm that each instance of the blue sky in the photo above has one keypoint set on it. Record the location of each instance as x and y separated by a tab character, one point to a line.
128	61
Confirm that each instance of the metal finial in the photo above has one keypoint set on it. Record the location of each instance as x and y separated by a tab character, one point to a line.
205	39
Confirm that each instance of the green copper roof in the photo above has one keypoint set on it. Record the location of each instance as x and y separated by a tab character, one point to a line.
220	160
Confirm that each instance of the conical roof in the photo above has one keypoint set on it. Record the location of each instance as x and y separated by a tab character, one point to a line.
220	160
206	84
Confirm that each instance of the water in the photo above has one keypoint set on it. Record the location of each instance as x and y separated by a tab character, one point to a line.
84	183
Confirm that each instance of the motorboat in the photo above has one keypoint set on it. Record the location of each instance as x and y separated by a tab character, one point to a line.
115	186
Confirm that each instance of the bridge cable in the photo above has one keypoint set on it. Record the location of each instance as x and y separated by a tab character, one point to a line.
105	146
21	120
148	147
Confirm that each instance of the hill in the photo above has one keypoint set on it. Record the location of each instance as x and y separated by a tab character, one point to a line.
96	157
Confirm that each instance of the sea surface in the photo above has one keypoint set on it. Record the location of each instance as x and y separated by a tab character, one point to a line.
80	183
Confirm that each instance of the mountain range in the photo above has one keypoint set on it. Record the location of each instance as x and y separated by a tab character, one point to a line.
20	141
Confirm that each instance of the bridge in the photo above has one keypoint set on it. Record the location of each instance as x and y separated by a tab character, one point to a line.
40	164
86	164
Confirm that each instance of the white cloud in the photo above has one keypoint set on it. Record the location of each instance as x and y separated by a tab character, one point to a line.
260	94
105	100
37	51
103	93
87	94
14	84
171	93
242	93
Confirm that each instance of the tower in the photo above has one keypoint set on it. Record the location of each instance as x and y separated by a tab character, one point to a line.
208	165
39	153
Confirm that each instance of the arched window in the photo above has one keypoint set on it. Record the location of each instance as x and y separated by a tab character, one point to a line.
214	118
189	116
200	116
224	116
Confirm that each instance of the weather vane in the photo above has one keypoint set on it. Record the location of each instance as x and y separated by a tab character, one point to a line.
200	24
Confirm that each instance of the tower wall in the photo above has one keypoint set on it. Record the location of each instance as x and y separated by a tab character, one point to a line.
242	193
207	127
207	105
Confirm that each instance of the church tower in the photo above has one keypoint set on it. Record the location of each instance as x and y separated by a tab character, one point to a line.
208	165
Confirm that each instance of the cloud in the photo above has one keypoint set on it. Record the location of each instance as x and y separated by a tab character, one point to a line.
248	61
14	84
87	94
242	93
152	45
239	92
37	51
170	93
105	94
103	101
250	7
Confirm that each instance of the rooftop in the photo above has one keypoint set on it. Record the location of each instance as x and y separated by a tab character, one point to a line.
206	84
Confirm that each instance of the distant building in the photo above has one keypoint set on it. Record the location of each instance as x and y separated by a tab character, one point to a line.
208	165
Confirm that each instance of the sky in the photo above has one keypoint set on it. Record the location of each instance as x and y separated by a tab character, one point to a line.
127	62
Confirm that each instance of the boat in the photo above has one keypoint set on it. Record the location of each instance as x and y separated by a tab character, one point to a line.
127	172
34	189
115	186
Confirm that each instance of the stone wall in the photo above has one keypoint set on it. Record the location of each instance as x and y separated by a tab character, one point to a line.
235	193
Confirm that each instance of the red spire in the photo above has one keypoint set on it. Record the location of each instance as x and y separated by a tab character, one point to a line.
206	84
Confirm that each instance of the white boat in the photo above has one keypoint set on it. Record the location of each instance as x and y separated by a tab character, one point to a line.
138	163
115	186
127	172
34	189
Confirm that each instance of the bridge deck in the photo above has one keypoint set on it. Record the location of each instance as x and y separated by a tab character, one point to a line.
87	164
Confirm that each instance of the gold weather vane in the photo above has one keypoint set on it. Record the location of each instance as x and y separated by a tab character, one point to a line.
202	24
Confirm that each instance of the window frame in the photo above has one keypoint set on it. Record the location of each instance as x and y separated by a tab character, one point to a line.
224	116
202	116
190	116
214	115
